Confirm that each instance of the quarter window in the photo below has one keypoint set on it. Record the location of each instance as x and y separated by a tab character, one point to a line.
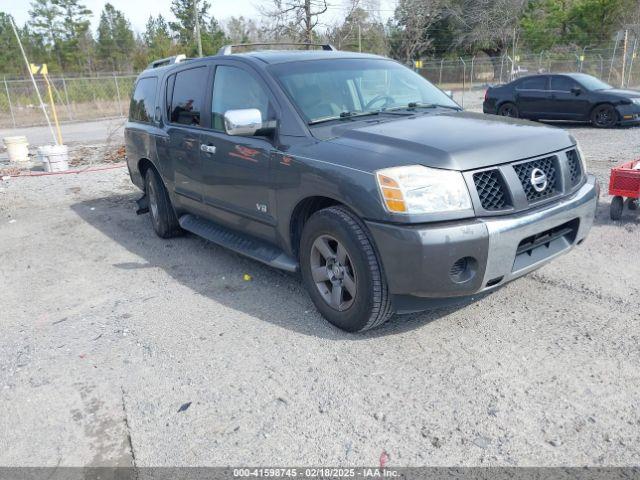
143	100
535	83
234	89
188	90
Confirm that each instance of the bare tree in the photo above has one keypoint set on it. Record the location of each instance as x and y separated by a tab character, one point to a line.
489	26
296	19
413	19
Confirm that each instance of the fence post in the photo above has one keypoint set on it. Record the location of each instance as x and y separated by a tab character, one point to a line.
66	97
601	66
633	54
464	74
613	57
115	79
441	64
501	67
6	87
473	59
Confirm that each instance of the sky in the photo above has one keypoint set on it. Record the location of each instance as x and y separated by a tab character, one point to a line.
138	11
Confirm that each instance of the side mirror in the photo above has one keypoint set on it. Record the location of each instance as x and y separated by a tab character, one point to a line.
576	91
245	122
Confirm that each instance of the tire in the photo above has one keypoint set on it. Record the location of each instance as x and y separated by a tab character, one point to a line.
163	218
632	203
337	255
604	116
509	110
615	211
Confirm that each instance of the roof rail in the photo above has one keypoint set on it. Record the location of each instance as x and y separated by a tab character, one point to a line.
228	49
167	61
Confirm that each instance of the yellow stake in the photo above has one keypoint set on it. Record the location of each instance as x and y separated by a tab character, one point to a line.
53	109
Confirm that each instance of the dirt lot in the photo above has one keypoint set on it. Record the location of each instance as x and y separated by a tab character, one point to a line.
119	348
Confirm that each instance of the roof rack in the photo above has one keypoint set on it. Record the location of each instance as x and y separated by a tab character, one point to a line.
168	61
228	49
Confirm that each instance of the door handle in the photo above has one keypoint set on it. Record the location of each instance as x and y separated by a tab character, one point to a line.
208	148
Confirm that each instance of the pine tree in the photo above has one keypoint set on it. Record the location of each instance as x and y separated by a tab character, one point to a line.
115	39
183	28
74	45
46	24
157	38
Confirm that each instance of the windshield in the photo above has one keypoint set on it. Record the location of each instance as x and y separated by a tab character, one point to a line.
592	83
327	89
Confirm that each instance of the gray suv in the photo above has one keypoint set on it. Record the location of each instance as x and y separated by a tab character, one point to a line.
355	171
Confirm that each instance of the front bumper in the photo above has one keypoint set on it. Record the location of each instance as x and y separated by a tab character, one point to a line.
628	114
423	260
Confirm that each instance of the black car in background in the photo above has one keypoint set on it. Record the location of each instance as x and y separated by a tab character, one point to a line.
569	96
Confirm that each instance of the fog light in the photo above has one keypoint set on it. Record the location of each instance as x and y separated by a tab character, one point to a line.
463	270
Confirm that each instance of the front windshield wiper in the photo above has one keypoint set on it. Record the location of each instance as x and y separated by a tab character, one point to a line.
431	105
344	115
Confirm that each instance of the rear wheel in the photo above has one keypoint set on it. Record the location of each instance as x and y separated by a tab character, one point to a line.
615	211
509	110
163	218
632	204
604	116
341	272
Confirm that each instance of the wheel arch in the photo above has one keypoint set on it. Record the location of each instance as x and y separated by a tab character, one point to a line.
302	212
601	103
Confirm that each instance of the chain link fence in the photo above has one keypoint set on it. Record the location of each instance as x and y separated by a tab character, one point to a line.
75	98
106	96
464	74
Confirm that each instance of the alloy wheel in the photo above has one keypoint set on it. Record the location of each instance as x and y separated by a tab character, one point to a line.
333	273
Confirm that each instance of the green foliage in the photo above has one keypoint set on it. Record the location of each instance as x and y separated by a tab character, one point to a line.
115	40
548	24
184	30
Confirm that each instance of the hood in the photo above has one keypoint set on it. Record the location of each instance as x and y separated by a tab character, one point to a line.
451	140
620	92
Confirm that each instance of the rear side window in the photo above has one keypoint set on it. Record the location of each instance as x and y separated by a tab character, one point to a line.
563	84
234	89
536	83
143	100
187	99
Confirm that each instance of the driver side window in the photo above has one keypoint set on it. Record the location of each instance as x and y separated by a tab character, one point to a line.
235	89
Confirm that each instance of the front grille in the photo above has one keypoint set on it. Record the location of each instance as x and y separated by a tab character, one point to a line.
524	170
491	190
575	168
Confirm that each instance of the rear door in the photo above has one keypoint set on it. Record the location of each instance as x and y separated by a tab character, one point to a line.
236	176
565	104
531	95
186	99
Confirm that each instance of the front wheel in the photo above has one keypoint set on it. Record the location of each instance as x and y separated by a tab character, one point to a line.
604	116
509	110
341	272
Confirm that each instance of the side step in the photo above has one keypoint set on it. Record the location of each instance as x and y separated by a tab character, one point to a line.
239	242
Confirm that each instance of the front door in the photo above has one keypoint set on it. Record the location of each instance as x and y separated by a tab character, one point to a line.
235	169
566	104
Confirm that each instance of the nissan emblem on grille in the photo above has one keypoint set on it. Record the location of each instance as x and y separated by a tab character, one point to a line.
539	180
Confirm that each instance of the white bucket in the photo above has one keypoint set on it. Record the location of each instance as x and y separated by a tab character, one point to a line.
17	148
54	158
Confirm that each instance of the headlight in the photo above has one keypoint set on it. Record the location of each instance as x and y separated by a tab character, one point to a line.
636	100
416	189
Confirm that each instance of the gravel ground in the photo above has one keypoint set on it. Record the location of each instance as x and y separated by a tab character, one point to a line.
119	348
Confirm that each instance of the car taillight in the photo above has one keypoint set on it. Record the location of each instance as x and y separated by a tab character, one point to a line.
486	94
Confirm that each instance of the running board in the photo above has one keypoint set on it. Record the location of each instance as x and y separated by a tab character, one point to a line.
239	242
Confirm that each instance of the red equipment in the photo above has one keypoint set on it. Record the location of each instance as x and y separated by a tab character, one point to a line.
624	183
